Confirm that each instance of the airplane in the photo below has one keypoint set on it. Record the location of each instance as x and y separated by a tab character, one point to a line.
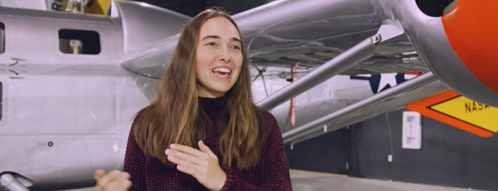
71	83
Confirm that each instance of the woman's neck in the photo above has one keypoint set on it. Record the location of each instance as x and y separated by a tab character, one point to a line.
202	92
207	102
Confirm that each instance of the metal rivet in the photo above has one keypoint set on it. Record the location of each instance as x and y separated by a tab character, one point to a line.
376	39
50	144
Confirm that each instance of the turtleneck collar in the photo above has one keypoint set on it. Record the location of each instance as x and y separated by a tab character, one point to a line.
213	103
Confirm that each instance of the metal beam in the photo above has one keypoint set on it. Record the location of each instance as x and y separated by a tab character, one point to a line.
351	57
390	93
338	64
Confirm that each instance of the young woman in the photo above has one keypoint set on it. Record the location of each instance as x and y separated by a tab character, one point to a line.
203	131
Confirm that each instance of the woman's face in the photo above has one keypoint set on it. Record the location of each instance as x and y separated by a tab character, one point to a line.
219	57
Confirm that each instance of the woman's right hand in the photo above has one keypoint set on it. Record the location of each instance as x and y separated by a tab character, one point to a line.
114	180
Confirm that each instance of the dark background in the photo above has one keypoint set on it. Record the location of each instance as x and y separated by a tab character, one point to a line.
449	156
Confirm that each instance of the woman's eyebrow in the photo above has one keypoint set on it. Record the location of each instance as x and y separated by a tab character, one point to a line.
236	39
218	37
211	36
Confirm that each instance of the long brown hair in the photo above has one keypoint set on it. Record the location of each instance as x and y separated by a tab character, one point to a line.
175	116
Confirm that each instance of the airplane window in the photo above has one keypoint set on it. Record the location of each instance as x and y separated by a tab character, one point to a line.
435	8
1	99
79	41
2	38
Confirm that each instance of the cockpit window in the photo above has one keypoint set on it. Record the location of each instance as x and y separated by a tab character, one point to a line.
79	41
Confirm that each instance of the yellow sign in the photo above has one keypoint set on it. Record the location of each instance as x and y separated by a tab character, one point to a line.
460	112
470	111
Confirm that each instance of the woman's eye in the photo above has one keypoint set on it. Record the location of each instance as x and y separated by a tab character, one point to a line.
236	47
211	44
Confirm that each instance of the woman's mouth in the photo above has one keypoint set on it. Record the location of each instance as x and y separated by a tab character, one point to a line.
222	73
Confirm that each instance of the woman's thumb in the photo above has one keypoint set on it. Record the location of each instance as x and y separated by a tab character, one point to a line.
202	146
206	149
98	174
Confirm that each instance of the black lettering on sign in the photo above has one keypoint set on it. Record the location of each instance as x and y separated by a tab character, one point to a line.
475	106
467	108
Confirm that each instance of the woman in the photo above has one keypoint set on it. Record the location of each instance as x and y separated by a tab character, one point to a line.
203	131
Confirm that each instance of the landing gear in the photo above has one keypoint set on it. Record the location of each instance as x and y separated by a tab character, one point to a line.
10	182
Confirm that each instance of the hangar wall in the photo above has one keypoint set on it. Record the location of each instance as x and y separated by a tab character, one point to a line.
449	156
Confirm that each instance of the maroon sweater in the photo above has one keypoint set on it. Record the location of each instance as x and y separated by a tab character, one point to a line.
272	172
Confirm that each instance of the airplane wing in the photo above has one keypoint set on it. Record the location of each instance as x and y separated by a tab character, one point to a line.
282	33
312	50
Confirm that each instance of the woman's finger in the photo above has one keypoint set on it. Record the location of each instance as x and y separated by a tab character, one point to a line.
125	185
107	179
178	161
98	174
113	185
180	156
125	175
207	150
188	150
187	170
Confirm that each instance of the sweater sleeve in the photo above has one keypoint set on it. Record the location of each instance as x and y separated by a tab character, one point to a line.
276	174
134	162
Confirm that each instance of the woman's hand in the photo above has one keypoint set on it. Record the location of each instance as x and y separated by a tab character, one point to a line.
114	180
202	165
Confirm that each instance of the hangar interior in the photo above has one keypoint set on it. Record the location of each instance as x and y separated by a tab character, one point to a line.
372	149
369	155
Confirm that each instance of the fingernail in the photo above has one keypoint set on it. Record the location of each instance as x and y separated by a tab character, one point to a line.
171	157
172	146
168	152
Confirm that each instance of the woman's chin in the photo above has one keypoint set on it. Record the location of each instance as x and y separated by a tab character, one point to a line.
218	92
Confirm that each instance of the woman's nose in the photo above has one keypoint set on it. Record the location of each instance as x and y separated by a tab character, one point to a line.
225	55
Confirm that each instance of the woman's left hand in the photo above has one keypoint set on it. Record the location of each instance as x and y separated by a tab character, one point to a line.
201	164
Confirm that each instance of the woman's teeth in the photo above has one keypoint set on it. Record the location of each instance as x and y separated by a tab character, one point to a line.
222	70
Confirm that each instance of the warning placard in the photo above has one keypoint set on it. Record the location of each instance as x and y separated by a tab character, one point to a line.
454	109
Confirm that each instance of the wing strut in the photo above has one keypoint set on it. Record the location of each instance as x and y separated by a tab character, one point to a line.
356	54
386	95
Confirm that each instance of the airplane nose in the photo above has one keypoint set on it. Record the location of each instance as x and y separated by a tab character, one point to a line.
471	29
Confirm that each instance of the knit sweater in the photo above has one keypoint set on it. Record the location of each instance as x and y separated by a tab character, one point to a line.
272	172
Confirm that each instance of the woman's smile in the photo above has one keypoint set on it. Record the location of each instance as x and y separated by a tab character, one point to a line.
222	73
